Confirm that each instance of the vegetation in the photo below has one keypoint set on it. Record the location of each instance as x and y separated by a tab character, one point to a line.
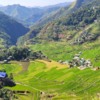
47	80
62	51
76	29
83	16
5	81
24	54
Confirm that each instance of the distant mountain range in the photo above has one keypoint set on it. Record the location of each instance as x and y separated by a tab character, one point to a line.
58	5
29	16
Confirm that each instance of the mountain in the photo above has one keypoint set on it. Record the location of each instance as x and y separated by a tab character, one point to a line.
76	26
62	12
28	15
10	30
85	18
19	12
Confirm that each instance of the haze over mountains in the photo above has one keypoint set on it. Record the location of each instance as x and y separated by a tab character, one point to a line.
29	15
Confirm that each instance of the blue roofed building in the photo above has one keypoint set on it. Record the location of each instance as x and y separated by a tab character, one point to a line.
3	74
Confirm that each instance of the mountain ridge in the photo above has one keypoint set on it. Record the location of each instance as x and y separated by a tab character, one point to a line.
29	15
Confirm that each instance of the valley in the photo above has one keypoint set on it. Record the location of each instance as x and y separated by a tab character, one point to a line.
51	52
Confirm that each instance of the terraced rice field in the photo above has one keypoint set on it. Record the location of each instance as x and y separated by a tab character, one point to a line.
53	81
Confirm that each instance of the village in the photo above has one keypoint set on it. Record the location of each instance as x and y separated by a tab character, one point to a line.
80	63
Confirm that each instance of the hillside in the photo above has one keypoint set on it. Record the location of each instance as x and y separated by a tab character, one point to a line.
10	29
78	31
79	3
82	22
62	12
53	24
4	40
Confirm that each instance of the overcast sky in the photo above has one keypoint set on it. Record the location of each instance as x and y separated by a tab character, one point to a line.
32	2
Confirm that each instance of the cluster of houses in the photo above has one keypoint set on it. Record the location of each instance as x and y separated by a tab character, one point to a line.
77	61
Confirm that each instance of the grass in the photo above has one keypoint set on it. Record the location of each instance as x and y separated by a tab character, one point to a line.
63	83
62	51
54	79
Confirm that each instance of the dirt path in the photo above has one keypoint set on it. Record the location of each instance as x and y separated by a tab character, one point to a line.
29	86
25	65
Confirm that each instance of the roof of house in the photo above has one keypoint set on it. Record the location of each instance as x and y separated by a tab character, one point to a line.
3	74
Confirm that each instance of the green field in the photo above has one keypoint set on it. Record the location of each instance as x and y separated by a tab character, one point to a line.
54	80
63	51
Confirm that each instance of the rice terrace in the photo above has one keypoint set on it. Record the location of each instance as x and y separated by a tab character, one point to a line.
50	50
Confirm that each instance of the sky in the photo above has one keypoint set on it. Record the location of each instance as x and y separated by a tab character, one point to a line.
32	3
